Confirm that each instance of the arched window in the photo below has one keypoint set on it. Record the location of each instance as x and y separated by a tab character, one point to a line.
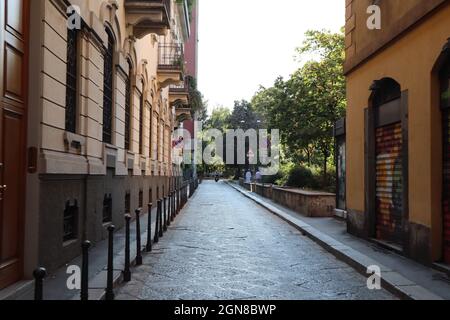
141	120
108	82
128	106
72	80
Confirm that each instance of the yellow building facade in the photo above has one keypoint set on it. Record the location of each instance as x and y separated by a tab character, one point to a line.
89	110
397	126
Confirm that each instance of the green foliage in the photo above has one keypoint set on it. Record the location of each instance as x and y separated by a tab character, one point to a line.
306	106
301	177
219	119
196	100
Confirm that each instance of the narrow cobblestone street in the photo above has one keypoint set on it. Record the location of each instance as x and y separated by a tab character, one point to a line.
223	246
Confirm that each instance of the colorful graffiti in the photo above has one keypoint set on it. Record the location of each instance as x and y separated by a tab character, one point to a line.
389	183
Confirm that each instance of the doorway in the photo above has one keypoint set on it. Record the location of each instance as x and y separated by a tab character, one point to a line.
14	24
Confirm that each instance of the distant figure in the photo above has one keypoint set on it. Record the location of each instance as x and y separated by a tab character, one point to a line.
258	177
248	177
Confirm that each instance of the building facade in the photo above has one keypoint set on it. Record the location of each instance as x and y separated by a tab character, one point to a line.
397	140
87	117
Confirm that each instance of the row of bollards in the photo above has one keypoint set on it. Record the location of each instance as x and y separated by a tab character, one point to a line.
166	210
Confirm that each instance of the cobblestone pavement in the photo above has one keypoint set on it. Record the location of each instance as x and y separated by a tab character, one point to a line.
224	246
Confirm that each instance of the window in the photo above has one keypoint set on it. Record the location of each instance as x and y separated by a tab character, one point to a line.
141	199
70	221
141	121
108	89
127	202
107	208
128	107
71	79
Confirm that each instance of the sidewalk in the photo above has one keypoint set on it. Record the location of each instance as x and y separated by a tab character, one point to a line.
55	287
402	276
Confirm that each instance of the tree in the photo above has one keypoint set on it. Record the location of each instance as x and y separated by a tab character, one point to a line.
219	119
306	106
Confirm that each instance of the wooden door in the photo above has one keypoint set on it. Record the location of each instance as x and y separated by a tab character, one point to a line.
445	106
13	109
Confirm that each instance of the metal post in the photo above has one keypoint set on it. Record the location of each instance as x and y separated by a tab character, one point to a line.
174	207
179	200
109	294
169	208
158	208
165	217
84	293
160	227
39	276
148	247
138	238
126	271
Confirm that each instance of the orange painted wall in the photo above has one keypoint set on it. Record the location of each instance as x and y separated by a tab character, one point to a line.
409	61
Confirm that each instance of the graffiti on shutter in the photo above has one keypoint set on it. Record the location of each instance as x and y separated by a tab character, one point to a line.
446	189
389	186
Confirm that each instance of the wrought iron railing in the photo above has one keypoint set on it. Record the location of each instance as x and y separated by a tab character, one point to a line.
171	56
182	87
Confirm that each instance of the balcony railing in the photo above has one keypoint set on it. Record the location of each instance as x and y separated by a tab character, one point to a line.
171	57
180	88
148	16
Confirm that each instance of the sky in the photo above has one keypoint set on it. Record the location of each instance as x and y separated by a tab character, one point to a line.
247	43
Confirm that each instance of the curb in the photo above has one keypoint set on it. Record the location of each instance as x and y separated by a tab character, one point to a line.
391	280
98	293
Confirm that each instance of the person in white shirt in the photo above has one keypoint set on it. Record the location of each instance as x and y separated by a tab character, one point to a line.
248	177
258	177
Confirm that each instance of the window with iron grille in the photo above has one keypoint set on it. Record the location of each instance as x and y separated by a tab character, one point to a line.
141	198
141	121
127	202
128	107
70	221
107	208
71	79
108	89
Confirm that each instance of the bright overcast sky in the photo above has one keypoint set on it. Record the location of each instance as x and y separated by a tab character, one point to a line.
247	43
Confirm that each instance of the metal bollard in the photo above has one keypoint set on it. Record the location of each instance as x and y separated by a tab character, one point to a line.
178	201
173	205
165	217
39	276
161	222
169	208
148	247
138	238
84	293
109	292
126	271
158	208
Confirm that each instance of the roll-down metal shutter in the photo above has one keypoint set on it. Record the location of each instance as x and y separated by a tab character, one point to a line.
446	189
389	186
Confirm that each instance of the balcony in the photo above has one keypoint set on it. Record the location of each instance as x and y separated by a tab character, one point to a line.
170	65
148	16
179	94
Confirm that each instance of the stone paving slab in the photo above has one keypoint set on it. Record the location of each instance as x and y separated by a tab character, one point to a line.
391	280
224	246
